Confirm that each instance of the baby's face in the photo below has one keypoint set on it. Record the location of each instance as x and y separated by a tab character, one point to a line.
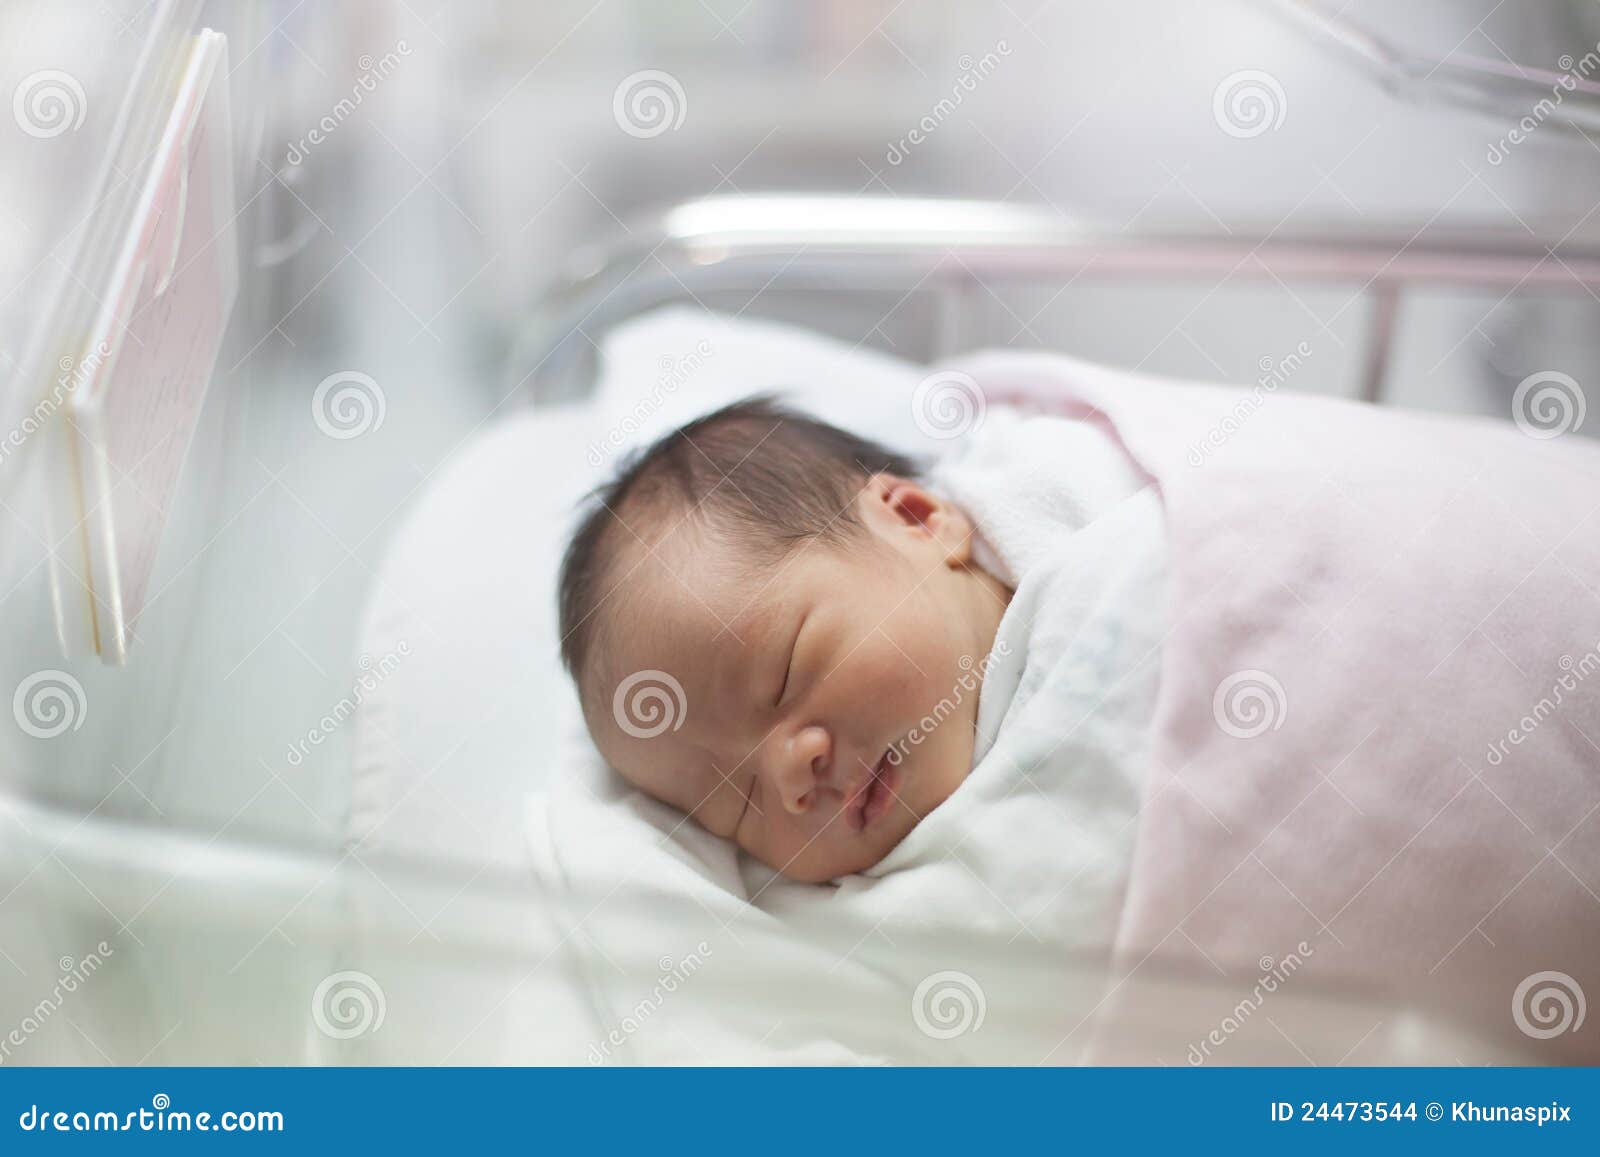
801	687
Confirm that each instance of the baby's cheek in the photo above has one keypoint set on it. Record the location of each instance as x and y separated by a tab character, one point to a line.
925	650
884	676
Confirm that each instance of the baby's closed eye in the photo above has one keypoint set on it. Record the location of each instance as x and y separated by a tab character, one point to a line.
789	666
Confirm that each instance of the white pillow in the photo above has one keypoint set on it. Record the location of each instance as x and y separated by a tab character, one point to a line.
476	712
670	367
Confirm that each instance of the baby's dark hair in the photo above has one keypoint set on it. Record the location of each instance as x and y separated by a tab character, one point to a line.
755	467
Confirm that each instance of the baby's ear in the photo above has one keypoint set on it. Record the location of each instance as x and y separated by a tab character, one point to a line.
892	504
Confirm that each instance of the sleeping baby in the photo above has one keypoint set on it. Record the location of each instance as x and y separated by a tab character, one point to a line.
1069	687
810	598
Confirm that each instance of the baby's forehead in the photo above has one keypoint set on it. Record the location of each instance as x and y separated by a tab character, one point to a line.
672	673
684	600
685	568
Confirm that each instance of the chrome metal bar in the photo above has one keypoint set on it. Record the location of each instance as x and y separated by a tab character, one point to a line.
1569	98
841	244
1380	340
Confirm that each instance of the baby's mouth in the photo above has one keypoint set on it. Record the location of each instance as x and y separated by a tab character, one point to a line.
874	798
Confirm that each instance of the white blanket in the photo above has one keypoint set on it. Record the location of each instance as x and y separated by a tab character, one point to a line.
1028	858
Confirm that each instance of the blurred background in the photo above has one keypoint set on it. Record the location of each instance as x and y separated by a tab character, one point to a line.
410	233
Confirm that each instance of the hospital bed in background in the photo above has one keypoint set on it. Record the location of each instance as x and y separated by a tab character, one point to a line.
424	936
750	253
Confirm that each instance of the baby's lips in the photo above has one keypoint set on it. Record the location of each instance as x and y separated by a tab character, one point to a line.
859	797
882	796
855	803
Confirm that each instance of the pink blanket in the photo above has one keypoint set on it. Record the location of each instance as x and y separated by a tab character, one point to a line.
1375	743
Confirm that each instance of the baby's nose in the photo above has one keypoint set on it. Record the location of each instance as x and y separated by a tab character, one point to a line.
802	764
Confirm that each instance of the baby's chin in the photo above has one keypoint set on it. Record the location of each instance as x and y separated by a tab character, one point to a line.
832	868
